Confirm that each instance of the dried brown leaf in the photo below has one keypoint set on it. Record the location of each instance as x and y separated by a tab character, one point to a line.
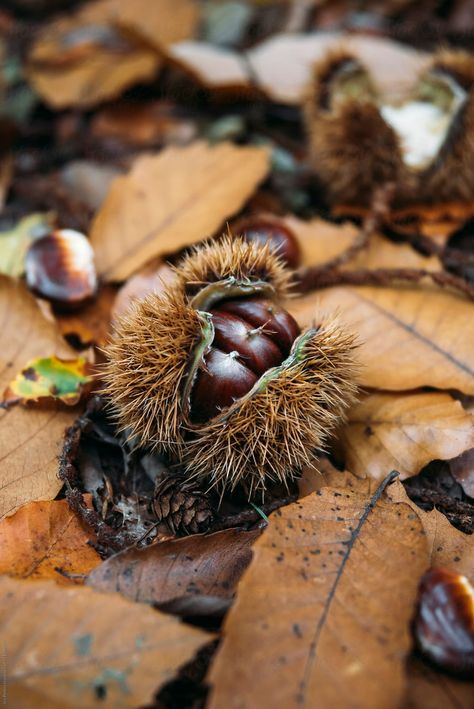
312	608
404	432
410	338
213	67
104	48
208	565
73	647
171	200
43	537
31	438
321	241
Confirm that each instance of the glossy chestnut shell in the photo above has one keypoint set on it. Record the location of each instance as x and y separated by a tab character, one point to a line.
251	336
267	229
444	625
60	267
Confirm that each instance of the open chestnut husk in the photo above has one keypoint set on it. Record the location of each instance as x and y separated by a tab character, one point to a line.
214	373
60	267
424	146
444	624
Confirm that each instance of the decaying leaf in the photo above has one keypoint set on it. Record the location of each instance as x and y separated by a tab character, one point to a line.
31	439
14	243
317	609
73	647
409	338
106	47
49	378
404	432
171	200
205	565
46	540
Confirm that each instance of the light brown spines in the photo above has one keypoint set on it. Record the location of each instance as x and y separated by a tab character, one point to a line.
275	432
217	260
148	358
354	150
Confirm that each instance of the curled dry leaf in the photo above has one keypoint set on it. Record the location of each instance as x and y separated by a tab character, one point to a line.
404	432
31	439
199	565
172	200
315	608
49	378
42	540
410	338
104	48
64	646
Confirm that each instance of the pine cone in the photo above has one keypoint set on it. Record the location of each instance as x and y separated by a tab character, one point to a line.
181	506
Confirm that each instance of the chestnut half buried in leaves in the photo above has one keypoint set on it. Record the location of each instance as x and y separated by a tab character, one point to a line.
214	373
60	267
444	625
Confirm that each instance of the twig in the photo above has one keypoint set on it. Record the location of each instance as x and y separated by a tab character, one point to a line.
251	516
308	278
389	276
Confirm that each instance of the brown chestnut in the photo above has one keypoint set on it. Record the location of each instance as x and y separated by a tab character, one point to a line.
267	229
251	335
60	267
444	624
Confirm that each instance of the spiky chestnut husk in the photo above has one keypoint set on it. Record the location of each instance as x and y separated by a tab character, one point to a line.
355	149
159	350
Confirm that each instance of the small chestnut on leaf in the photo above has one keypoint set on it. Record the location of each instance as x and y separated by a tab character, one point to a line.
60	267
215	373
444	625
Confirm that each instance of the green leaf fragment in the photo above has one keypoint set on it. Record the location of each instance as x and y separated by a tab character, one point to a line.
49	378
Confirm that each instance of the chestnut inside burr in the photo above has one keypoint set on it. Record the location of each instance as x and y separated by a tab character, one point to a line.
252	335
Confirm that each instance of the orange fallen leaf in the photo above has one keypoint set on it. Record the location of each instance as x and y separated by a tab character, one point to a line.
31	439
41	538
404	432
410	338
172	200
311	608
73	647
